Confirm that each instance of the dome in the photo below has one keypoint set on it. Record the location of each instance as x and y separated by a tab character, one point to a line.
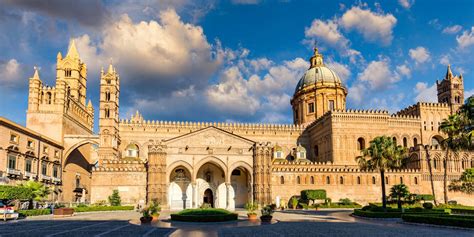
317	73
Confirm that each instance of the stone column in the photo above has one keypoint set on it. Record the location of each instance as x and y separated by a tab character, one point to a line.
194	197
156	184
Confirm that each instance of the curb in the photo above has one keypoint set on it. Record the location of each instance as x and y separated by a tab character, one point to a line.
436	226
377	219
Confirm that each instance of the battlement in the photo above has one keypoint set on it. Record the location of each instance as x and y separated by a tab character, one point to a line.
327	167
414	109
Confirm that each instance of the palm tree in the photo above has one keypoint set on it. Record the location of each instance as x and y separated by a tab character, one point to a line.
453	127
39	190
381	155
399	191
430	169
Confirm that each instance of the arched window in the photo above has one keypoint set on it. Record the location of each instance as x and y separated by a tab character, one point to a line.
282	180
48	97
107	113
435	142
435	163
107	95
394	140
67	72
132	150
316	151
405	142
416	180
328	180
298	180
386	180
373	180
415	141
358	180
360	144
341	180
401	180
311	180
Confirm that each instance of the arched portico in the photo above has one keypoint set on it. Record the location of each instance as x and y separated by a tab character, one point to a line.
179	188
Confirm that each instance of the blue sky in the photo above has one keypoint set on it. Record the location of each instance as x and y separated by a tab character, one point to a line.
237	60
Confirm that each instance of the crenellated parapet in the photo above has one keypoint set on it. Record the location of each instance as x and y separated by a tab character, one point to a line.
326	167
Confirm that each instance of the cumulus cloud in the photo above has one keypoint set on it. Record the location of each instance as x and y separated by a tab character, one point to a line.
419	54
378	75
404	70
342	70
466	39
373	26
425	93
86	12
327	32
444	60
452	29
11	73
406	3
356	92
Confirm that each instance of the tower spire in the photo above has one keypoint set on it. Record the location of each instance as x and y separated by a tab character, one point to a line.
72	51
36	74
449	73
317	58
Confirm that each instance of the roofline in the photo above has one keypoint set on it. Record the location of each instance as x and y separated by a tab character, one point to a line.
10	124
232	134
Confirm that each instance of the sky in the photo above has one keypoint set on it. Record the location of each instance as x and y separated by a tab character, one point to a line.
237	60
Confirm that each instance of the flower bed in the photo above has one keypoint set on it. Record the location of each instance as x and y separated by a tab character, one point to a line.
103	208
446	220
204	215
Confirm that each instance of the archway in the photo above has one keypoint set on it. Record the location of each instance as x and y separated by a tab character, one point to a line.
180	189
211	176
208	197
241	187
77	171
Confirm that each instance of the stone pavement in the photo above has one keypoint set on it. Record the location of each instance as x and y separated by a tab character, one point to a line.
291	223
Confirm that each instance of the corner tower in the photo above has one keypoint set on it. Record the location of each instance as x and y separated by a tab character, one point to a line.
317	92
451	90
109	114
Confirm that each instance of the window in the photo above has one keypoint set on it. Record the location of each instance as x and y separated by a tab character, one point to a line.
386	180
78	181
279	154
11	161
360	144
405	142
358	180
107	113
331	105
45	149
236	172
67	72
328	180
416	180
48	98
55	171
394	140
282	180
132	150
14	138
415	141
30	144
341	180
311	107
28	165
311	180
373	180
107	96
108	82
56	153
44	168
298	180
401	180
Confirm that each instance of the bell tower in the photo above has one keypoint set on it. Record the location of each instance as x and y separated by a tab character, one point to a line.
109	114
451	90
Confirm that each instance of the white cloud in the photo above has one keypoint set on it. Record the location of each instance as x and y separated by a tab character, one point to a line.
404	70
342	70
356	92
10	74
444	60
425	93
468	93
378	75
372	25
327	32
466	39
419	54
452	29
406	3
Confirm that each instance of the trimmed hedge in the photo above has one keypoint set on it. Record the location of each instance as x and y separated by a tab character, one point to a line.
340	205
35	212
391	213
464	211
103	208
446	220
317	194
204	215
371	214
15	193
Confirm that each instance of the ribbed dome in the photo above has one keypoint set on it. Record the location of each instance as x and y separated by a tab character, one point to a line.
317	73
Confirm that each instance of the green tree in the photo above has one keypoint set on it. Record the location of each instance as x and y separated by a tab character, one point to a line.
115	199
467	113
39	191
381	155
430	169
399	192
453	128
465	184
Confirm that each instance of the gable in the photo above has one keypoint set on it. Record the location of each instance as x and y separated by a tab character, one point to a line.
210	137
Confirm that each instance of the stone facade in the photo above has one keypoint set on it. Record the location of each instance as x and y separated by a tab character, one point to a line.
186	164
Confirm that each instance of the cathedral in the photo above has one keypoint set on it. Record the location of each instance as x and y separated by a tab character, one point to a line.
185	164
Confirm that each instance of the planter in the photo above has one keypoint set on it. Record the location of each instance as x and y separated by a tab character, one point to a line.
266	219
252	216
63	211
155	217
146	220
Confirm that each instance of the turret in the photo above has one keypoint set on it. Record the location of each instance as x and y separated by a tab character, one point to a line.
451	90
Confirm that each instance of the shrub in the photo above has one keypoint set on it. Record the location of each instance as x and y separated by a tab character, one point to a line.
345	201
154	207
463	211
114	199
460	221
251	207
204	215
34	212
424	197
294	202
82	205
267	211
372	214
103	208
304	206
428	205
15	193
311	195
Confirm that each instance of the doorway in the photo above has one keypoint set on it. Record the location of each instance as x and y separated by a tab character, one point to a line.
208	197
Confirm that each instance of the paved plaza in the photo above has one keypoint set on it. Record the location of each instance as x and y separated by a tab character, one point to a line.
291	223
